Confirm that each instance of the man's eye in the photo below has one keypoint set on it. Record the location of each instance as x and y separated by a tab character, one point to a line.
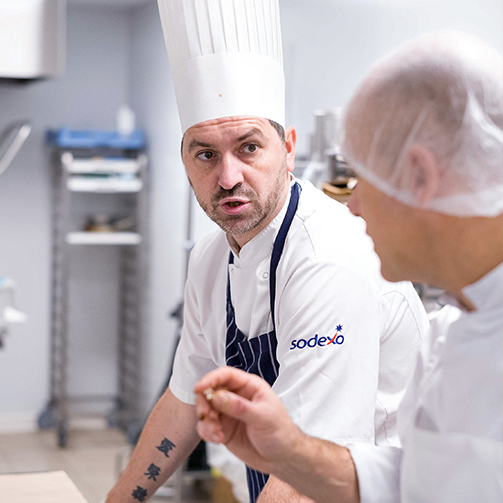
250	148
205	156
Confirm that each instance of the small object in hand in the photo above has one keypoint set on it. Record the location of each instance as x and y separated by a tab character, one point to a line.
209	394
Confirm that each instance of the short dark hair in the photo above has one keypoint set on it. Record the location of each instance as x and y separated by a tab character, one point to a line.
278	127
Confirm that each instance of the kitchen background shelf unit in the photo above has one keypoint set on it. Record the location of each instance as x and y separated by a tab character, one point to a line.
100	202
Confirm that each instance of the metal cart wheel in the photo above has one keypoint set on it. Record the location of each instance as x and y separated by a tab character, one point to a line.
62	433
46	419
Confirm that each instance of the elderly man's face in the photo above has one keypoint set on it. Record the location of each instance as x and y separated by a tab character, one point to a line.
239	170
394	228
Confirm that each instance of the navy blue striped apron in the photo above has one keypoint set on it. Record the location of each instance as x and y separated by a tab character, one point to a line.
258	354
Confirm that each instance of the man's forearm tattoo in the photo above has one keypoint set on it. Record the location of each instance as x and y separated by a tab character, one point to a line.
166	446
139	493
152	472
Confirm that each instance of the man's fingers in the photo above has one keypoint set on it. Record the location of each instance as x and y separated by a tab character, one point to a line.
203	408
210	429
238	395
246	385
236	407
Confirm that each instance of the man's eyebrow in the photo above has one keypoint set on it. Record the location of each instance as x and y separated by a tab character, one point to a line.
194	144
252	132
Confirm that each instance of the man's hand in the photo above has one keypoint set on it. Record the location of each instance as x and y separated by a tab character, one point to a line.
244	413
241	411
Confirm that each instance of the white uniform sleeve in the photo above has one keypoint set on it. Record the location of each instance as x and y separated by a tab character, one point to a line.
329	389
378	470
406	325
193	357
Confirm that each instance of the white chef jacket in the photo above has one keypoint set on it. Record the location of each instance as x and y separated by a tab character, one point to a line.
327	279
451	418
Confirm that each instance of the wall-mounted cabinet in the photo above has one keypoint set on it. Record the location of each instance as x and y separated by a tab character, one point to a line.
32	38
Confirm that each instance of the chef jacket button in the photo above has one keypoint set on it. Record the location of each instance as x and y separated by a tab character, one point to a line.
265	275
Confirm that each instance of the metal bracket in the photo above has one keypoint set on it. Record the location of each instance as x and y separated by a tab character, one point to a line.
13	137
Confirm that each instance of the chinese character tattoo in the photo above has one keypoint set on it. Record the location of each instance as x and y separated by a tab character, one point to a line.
166	446
152	472
139	493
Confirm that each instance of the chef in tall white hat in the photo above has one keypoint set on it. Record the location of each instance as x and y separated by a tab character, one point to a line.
277	291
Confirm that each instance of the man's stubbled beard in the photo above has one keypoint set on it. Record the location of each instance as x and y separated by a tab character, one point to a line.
242	224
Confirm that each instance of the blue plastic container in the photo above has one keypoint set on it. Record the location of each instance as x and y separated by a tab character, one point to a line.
72	138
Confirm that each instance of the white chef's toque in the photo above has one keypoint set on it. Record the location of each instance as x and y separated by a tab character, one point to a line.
226	58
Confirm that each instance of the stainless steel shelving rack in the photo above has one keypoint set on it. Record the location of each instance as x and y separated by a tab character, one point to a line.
106	173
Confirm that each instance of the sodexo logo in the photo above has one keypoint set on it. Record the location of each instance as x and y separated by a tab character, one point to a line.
337	339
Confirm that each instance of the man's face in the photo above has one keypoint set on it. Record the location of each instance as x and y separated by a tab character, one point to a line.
395	229
239	170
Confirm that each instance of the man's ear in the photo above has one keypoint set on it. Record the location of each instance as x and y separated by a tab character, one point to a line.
424	173
290	141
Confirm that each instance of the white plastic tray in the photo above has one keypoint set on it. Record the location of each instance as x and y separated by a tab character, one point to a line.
103	165
105	185
103	238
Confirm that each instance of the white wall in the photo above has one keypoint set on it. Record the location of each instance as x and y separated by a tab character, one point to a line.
328	44
116	54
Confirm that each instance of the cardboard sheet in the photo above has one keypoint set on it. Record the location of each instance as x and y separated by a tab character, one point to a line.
49	487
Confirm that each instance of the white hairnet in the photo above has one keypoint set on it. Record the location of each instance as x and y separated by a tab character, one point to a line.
442	95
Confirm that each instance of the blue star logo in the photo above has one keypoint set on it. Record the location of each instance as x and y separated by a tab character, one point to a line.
338	328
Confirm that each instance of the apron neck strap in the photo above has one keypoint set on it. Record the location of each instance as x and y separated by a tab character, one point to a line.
279	245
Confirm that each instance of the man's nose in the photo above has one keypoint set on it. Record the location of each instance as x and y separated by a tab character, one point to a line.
231	172
354	202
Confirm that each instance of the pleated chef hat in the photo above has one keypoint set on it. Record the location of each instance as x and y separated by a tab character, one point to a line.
226	58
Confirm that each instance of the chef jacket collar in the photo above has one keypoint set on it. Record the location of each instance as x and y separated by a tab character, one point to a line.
487	292
260	247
